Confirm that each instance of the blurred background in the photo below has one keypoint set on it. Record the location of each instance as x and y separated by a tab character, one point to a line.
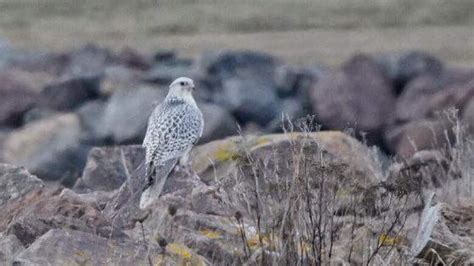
76	74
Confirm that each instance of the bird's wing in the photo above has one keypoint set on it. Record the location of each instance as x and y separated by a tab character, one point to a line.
172	131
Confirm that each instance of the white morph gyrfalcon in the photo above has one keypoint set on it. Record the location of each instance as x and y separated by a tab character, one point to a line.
173	128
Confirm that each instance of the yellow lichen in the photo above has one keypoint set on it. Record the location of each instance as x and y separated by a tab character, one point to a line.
209	233
226	152
386	240
179	249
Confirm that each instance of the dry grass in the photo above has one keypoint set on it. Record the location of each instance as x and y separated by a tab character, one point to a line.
300	31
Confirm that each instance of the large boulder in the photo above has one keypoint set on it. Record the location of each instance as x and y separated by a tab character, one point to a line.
49	148
358	96
126	115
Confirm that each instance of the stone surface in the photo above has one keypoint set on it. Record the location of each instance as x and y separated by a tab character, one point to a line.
16	182
418	135
65	247
31	216
108	167
126	115
17	98
10	246
50	148
341	99
426	95
69	93
218	122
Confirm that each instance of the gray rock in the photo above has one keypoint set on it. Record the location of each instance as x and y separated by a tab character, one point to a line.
416	63
165	72
51	148
126	114
17	98
132	58
119	77
67	94
249	100
16	182
226	64
34	214
89	60
90	115
10	246
468	116
218	122
108	167
243	82
341	99
65	247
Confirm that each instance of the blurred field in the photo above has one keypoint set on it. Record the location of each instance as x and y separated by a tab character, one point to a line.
298	30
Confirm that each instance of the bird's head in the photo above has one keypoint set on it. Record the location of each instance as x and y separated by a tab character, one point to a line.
182	87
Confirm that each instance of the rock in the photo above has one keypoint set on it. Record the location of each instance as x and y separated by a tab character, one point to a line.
426	95
164	55
468	116
34	214
66	247
426	169
243	82
38	113
69	93
45	62
10	247
134	59
249	101
292	111
291	81
218	122
419	135
50	149
88	61
226	64
415	64
108	167
16	182
126	114
17	98
163	73
340	99
90	115
119	77
450	232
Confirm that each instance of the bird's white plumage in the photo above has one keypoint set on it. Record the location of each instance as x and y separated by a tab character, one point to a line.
173	128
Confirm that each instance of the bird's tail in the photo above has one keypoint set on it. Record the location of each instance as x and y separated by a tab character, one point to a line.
154	191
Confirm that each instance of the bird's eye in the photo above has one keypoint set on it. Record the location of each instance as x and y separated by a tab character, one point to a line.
182	83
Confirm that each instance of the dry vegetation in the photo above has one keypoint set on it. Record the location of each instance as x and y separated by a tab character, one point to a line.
299	30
